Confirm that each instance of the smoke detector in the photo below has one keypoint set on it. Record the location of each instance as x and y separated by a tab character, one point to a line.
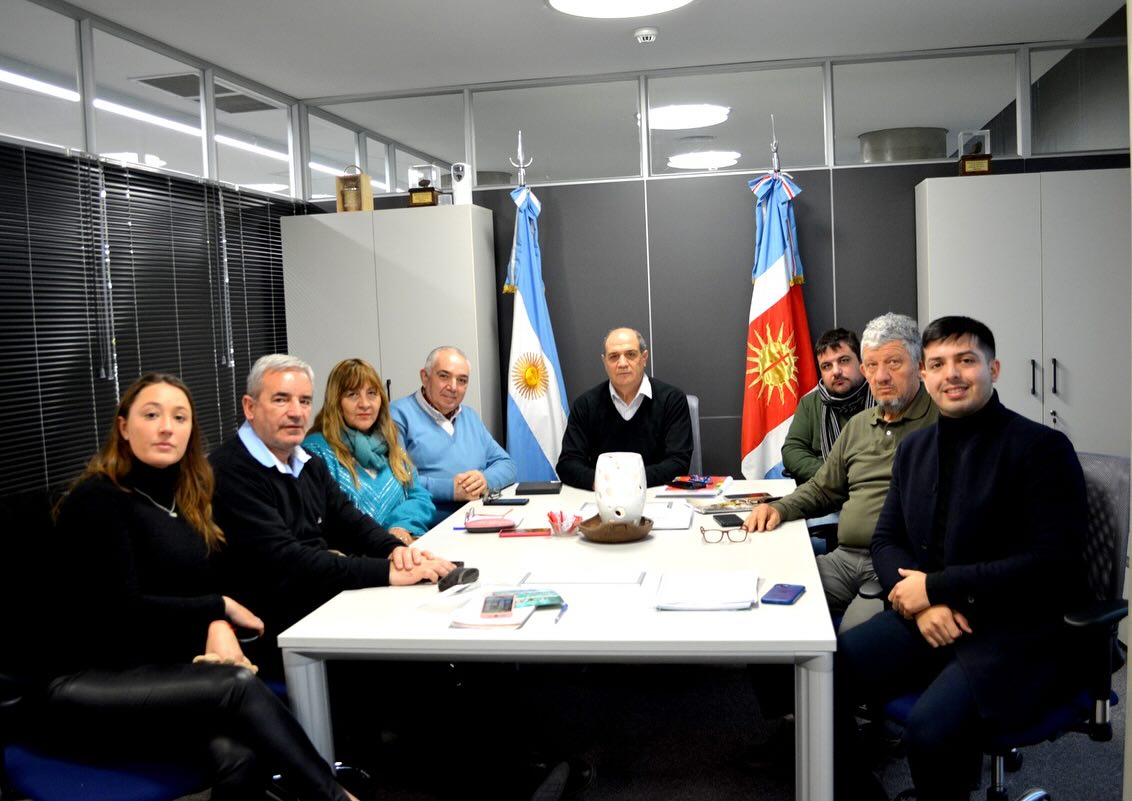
645	35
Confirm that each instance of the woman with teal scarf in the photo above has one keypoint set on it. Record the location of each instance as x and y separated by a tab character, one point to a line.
357	438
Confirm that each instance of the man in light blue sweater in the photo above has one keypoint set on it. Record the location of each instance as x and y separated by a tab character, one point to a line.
456	457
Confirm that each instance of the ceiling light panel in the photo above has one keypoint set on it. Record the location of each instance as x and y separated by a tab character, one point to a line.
704	160
689	115
615	9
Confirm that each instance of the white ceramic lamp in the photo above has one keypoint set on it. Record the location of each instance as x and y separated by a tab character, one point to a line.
619	487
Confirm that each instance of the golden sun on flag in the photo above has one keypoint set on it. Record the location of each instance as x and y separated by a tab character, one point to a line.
773	364
529	376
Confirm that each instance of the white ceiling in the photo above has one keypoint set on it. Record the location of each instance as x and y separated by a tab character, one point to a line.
356	47
352	49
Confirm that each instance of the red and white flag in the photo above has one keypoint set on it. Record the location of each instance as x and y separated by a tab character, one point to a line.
779	367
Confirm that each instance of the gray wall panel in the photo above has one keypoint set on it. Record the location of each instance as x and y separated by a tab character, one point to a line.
593	265
719	438
874	237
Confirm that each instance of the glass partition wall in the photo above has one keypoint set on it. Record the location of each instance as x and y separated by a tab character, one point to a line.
136	101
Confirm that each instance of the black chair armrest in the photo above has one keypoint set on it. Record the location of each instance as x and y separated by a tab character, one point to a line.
871	589
1102	613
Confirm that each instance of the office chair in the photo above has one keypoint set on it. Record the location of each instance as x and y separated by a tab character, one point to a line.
32	771
697	465
1087	710
38	775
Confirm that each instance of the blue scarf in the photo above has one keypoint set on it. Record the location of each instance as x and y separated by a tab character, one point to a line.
368	449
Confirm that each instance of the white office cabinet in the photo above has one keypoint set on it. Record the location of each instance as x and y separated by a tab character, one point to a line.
388	286
1044	260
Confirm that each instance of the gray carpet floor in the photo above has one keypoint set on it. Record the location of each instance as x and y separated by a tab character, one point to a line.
679	733
686	733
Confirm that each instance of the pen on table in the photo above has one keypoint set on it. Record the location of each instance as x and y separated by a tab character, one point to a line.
561	612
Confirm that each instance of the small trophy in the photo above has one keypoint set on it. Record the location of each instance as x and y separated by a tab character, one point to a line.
423	194
974	153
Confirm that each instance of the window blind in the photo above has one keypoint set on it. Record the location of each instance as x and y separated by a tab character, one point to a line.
108	272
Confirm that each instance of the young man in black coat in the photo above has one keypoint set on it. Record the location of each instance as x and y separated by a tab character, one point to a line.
979	548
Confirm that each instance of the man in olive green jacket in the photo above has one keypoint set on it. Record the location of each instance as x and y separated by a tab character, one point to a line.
856	475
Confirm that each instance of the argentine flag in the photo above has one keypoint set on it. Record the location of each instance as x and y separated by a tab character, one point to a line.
536	394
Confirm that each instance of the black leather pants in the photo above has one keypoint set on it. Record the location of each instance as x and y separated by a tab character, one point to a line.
219	717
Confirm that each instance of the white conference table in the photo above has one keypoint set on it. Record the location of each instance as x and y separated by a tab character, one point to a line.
604	622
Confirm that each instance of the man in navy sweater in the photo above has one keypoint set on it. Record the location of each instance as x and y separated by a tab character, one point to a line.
979	546
629	412
294	540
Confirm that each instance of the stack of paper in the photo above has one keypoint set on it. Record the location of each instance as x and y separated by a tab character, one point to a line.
707	590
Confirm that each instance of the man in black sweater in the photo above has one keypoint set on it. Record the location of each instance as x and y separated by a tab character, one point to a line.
629	412
979	546
294	540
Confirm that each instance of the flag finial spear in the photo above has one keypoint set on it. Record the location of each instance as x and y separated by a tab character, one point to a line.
773	147
520	163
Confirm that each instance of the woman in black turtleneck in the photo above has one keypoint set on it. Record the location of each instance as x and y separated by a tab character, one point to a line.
136	533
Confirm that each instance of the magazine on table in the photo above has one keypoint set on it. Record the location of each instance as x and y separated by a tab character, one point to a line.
694	487
738	503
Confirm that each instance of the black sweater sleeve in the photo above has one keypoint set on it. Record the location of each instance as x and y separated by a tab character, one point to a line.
575	468
674	420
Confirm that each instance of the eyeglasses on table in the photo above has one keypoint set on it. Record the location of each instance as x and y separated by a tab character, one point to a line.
714	535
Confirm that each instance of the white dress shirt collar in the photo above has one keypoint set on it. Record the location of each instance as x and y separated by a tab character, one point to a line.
262	454
627	410
447	423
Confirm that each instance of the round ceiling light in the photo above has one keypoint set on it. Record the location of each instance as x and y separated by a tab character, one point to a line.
615	9
704	160
684	116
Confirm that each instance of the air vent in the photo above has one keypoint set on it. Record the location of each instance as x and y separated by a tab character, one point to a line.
186	85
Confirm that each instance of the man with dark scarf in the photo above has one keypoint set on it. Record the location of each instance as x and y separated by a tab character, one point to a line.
841	393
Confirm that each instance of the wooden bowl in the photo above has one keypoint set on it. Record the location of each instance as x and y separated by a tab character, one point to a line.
595	530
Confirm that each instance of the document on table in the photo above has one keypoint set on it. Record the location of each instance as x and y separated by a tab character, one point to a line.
691	590
665	515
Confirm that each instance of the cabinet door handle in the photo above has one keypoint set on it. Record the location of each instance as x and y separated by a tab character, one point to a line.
1033	377
1053	362
389	388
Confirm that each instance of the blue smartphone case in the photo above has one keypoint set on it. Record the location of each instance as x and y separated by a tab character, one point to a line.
784	594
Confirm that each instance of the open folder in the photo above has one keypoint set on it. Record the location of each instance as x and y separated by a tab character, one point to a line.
704	590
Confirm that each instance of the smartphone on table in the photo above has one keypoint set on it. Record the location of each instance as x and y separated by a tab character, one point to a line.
498	606
784	594
728	520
